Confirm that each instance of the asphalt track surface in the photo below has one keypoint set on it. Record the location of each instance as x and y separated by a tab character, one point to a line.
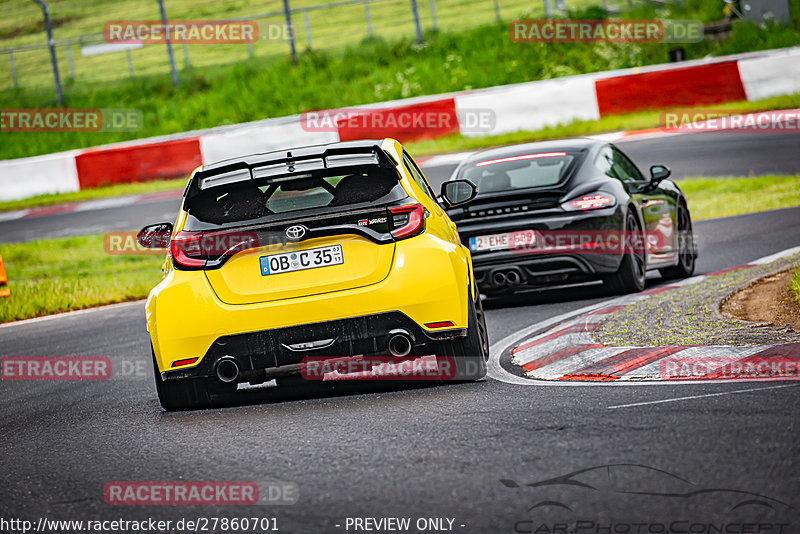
419	452
712	154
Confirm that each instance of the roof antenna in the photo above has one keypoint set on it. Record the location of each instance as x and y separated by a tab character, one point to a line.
288	154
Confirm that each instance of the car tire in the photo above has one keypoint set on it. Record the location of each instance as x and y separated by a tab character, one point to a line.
686	253
469	353
188	393
630	277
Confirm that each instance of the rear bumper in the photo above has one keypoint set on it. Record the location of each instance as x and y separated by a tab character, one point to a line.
266	353
541	271
535	269
428	284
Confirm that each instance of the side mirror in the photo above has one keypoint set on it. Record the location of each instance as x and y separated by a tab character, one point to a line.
658	173
458	192
155	235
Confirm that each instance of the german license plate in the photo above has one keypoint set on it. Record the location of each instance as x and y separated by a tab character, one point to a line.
301	260
507	240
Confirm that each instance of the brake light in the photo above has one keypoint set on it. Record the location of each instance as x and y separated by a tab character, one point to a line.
187	251
407	221
592	202
198	250
520	158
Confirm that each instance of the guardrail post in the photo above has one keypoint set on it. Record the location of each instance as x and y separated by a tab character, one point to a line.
417	26
13	68
368	17
186	61
130	62
249	46
51	44
169	44
307	26
287	14
69	61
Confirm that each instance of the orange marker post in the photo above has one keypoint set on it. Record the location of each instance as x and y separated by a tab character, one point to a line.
4	289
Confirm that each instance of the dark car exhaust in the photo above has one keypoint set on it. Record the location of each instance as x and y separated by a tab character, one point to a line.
227	370
506	277
499	278
400	343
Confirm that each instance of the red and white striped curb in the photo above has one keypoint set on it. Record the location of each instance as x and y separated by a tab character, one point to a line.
565	351
524	106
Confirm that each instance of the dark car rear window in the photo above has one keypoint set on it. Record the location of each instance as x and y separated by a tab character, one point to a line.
320	191
523	171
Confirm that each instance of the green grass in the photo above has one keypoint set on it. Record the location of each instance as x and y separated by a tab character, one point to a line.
794	284
58	275
710	198
365	71
115	190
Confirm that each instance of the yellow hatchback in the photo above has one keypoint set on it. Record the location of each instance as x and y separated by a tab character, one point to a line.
330	251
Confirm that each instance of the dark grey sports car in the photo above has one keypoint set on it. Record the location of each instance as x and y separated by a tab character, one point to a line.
571	212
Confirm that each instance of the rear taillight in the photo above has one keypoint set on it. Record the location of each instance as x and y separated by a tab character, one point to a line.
187	251
209	250
407	221
593	201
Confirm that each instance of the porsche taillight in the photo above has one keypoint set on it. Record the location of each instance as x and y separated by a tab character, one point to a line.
593	201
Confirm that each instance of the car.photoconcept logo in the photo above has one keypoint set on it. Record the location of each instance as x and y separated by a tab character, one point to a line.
296	232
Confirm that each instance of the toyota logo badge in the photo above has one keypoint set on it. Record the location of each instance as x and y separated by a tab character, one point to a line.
296	232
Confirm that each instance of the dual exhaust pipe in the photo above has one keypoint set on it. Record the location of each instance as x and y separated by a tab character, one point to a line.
509	277
399	345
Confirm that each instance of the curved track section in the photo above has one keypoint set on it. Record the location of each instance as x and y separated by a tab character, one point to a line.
492	456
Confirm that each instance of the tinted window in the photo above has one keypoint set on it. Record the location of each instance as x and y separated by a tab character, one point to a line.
605	163
625	167
506	174
241	202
